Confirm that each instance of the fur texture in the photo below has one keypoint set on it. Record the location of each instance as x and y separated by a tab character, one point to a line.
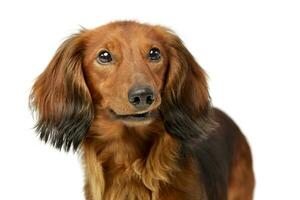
185	150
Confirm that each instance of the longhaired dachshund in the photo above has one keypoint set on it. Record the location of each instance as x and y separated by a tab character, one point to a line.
133	100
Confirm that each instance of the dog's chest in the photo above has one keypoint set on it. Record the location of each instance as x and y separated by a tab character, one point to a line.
130	182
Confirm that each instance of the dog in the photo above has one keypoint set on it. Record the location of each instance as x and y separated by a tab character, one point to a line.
133	100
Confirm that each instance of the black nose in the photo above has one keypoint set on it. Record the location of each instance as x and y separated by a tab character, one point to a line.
141	97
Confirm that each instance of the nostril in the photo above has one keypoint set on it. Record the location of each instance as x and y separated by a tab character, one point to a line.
149	99
136	100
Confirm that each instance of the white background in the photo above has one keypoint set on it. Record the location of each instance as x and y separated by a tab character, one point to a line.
250	50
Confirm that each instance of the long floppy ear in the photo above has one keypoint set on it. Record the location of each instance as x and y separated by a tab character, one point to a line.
186	101
61	98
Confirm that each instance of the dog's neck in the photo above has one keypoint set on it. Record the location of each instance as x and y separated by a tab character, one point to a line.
131	161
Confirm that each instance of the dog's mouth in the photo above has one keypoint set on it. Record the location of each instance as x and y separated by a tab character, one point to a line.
144	116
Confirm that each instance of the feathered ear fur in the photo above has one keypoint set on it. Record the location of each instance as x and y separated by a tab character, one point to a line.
186	102
61	98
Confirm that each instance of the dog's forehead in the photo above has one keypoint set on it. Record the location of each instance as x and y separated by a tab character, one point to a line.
121	35
123	31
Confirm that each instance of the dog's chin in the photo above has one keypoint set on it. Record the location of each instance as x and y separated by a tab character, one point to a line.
140	119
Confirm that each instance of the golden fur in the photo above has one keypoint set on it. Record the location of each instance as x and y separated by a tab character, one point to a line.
187	150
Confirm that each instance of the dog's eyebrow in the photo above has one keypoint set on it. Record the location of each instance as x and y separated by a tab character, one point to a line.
111	44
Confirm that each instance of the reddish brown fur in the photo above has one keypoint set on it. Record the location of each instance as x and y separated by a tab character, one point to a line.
241	180
156	159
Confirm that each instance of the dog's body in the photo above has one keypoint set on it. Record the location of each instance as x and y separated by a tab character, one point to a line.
216	168
135	101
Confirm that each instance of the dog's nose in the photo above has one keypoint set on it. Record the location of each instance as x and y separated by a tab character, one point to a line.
141	97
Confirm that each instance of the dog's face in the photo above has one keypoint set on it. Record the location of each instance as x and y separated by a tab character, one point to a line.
128	73
125	66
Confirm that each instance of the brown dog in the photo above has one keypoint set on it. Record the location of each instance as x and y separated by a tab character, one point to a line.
133	98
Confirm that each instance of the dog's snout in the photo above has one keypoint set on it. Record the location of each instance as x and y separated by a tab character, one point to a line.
141	97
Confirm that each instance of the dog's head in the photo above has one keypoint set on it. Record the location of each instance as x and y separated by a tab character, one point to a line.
131	73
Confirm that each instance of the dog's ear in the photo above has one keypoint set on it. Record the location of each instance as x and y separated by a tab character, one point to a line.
61	99
186	101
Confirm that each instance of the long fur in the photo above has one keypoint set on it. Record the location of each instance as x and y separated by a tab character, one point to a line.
62	99
189	152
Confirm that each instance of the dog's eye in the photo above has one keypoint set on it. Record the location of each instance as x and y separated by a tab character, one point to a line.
154	54
104	57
